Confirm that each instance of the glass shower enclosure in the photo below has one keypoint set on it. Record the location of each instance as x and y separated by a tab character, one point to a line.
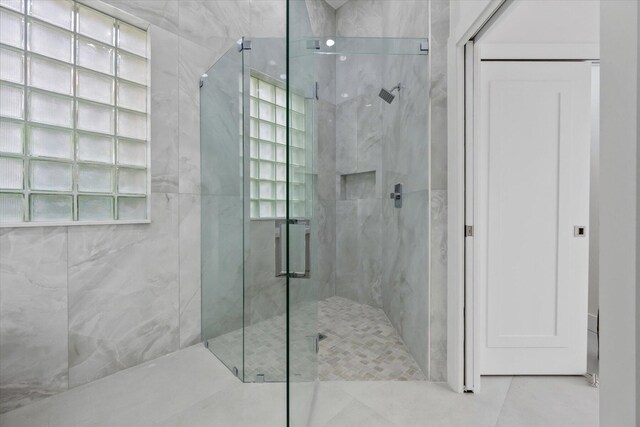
272	113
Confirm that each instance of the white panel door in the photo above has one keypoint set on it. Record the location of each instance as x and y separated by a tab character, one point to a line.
532	172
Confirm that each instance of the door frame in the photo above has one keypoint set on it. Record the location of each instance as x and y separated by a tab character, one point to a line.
462	372
463	292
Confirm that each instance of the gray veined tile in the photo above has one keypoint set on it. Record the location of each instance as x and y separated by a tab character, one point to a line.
33	315
190	295
356	414
131	273
205	21
268	18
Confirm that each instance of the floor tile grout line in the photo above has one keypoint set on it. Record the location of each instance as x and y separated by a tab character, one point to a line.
504	401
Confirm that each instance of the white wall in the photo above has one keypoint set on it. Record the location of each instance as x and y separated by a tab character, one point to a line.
618	232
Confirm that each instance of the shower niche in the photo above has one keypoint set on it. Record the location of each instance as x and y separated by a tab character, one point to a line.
298	161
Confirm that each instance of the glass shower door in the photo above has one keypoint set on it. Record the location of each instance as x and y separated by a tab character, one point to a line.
302	223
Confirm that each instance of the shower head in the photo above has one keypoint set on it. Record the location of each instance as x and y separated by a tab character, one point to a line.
387	95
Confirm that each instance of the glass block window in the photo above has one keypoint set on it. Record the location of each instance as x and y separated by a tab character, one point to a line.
268	168
73	114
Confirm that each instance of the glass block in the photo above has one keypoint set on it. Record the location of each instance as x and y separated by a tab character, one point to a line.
297	103
50	41
281	116
50	75
253	87
281	209
132	39
281	153
132	97
96	25
132	153
50	142
11	65
132	68
50	109
95	87
267	209
56	12
254	188
95	208
266	91
281	191
95	179
11	101
281	172
95	117
12	29
11	173
267	131
132	208
267	151
281	97
266	190
253	149
253	128
255	209
132	181
96	56
253	169
132	125
95	148
50	176
266	170
281	135
51	207
11	208
267	111
11	137
297	157
297	121
12	4
253	107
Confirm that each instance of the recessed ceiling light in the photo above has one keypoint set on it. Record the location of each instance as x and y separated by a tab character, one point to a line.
345	95
342	58
330	42
283	76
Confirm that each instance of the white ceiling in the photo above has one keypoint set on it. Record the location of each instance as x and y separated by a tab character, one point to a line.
336	3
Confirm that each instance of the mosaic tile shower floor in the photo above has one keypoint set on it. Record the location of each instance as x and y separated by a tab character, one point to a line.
360	345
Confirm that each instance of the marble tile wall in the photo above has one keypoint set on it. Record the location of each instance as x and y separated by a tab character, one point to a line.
412	271
104	298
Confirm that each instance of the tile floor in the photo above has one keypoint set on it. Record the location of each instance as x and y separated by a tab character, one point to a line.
191	388
360	345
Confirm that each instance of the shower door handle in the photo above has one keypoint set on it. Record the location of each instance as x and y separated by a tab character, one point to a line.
299	248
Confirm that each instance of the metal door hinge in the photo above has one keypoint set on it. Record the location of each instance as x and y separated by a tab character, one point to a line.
424	46
313	44
468	231
244	45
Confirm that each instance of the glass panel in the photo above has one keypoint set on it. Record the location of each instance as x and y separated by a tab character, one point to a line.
51	207
96	56
132	181
11	136
132	153
132	208
12	29
50	75
132	39
11	65
95	117
50	109
50	176
50	142
96	25
132	68
223	188
95	148
95	179
50	41
95	208
132	97
95	87
302	304
11	173
11	101
56	12
132	125
11	208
